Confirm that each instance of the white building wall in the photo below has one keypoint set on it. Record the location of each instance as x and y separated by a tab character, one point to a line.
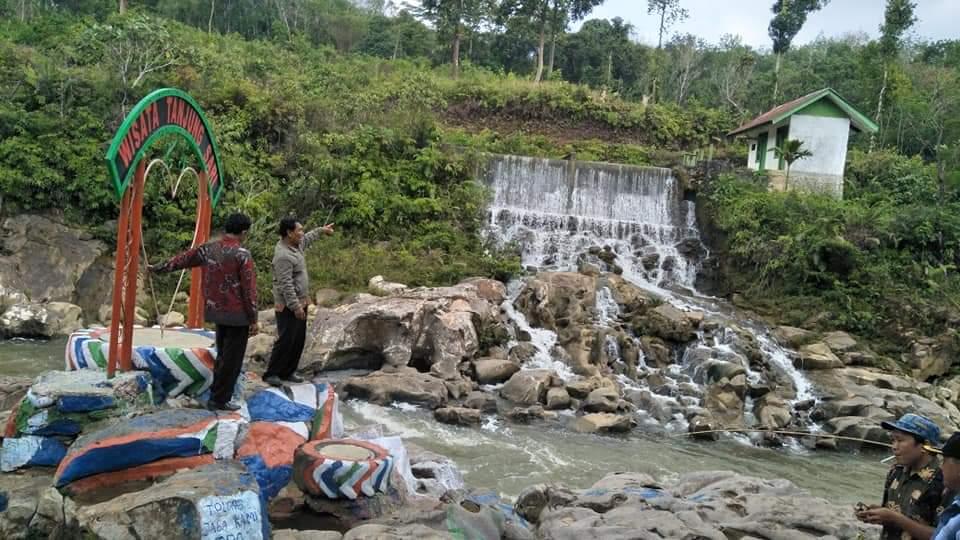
826	138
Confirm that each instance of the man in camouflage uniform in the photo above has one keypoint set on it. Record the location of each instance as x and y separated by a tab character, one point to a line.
914	487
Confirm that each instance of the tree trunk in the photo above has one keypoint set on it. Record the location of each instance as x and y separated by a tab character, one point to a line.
213	6
123	6
609	74
883	89
776	79
456	52
663	17
396	47
553	52
540	46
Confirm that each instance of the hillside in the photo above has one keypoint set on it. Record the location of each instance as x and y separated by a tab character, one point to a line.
382	141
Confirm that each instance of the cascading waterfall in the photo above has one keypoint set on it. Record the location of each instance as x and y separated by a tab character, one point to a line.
556	210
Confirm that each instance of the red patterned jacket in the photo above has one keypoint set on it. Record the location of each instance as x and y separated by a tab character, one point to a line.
229	280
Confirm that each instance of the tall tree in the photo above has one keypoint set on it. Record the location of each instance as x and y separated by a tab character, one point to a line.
732	71
669	12
542	13
789	17
686	59
449	18
898	18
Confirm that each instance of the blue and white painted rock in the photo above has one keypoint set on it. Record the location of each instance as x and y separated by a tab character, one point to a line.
31	451
131	443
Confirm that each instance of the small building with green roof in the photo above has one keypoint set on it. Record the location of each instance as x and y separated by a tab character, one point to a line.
822	120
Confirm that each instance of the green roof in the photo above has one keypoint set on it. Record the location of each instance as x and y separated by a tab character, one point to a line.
780	113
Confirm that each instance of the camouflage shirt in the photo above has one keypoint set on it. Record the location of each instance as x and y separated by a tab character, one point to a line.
915	494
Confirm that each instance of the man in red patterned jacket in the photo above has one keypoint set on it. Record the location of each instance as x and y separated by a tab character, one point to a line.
230	301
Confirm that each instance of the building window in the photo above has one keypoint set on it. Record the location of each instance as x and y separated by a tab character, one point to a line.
753	147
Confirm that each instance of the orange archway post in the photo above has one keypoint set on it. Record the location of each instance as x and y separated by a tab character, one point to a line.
164	113
202	234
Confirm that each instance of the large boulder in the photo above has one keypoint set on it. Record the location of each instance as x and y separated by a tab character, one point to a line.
460	416
791	336
667	322
708	505
406	385
44	261
529	387
874	396
602	400
435	474
430	328
566	303
558	300
839	342
817	356
631	298
930	358
481	401
40	320
725	402
220	500
558	398
773	412
381	287
490	371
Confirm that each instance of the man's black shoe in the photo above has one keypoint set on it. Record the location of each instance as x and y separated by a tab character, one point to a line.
228	406
294	378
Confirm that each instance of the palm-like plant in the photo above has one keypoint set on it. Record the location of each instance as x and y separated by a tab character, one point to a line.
789	151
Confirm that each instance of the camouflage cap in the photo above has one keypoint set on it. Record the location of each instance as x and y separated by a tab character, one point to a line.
921	426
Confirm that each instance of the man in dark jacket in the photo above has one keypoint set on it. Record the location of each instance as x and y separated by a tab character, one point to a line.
230	301
291	296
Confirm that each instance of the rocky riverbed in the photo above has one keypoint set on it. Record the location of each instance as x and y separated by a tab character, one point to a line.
588	355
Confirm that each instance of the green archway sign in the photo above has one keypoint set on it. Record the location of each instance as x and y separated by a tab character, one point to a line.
167	111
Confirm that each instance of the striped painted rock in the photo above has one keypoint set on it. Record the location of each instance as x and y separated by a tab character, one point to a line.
130	443
187	368
315	404
61	403
31	451
282	419
267	451
342	468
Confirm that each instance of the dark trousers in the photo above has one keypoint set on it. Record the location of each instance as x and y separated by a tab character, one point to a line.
291	335
231	347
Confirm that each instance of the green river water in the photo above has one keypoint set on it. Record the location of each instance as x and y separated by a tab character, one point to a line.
507	457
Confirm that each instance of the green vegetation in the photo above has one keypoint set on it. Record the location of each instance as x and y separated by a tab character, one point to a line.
879	263
346	111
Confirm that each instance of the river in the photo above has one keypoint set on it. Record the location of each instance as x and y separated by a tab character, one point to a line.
508	457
